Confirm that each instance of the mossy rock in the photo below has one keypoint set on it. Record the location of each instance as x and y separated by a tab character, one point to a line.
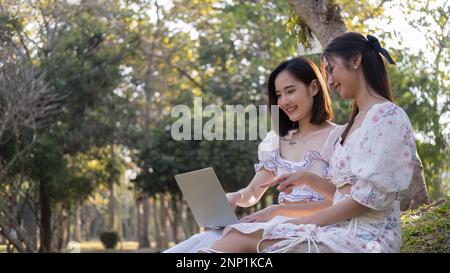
427	229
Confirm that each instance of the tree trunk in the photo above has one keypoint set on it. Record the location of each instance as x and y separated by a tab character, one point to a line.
112	208
30	223
179	214
68	231
137	221
156	220
416	194
46	216
144	241
189	221
174	216
185	220
61	230
164	228
10	238
324	19
77	224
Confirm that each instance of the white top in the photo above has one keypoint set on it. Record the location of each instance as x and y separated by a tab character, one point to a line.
270	159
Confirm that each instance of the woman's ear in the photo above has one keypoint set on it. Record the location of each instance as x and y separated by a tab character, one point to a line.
314	87
356	62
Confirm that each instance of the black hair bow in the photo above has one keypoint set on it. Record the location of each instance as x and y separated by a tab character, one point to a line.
375	45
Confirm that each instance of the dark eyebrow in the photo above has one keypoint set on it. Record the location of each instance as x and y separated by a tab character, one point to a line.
289	86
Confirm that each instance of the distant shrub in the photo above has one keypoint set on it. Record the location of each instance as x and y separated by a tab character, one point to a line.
109	239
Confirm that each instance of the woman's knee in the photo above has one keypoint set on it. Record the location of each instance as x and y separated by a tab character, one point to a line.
233	238
267	243
230	236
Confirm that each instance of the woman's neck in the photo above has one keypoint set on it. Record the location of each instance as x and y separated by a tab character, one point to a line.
364	99
306	127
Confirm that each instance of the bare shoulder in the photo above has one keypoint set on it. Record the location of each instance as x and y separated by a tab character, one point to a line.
331	126
325	132
333	130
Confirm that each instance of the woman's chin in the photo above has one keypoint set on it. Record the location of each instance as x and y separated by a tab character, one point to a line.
294	118
343	95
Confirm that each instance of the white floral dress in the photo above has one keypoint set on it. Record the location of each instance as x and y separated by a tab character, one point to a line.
377	159
271	160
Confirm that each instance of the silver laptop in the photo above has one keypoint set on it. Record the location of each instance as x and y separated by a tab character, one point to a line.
206	198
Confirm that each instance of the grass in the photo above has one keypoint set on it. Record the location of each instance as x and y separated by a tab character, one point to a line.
97	246
128	246
427	229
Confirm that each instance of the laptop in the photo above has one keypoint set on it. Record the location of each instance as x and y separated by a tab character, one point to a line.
206	198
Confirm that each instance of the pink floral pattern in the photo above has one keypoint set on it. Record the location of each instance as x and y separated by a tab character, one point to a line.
377	160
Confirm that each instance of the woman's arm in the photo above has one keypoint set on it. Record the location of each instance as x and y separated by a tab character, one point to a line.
323	186
288	182
289	210
300	210
251	194
341	211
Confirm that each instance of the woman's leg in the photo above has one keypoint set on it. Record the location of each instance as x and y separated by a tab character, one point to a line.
238	242
266	243
303	247
196	242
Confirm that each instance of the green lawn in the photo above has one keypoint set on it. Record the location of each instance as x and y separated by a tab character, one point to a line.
427	229
96	246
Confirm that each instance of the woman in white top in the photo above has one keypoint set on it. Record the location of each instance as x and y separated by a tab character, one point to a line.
371	160
297	88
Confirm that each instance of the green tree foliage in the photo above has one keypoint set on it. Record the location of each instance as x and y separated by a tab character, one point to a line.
224	54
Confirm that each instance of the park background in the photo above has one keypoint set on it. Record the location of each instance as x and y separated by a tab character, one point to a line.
87	88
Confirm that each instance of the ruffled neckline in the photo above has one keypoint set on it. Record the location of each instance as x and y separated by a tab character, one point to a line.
310	155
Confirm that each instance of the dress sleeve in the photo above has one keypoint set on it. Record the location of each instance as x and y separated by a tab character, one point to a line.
328	148
266	152
383	158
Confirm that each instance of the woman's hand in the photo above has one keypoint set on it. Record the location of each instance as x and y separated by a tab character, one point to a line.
234	198
263	215
287	182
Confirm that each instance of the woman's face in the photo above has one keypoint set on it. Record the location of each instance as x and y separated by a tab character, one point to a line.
340	78
293	96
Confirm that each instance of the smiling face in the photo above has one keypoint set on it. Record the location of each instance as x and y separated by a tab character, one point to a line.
341	77
293	97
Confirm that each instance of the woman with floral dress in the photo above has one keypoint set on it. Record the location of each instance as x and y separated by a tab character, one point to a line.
371	160
298	89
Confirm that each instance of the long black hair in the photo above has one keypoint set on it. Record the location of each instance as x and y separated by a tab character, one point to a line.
305	71
347	46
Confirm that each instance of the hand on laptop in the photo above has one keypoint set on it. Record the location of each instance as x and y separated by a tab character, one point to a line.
263	215
233	198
